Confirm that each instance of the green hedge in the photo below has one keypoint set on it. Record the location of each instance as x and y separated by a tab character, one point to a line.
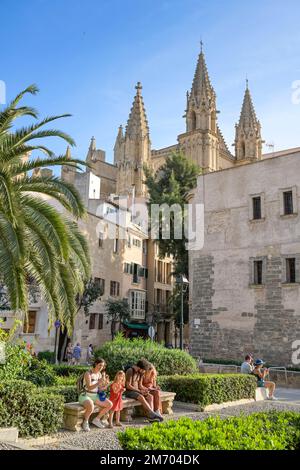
67	392
121	351
47	356
259	431
34	411
66	371
207	389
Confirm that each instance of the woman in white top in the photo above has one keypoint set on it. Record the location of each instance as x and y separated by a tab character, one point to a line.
94	381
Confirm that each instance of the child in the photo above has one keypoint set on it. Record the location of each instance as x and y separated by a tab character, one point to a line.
116	390
149	382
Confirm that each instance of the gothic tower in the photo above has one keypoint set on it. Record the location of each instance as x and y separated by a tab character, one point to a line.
68	173
133	150
200	142
248	141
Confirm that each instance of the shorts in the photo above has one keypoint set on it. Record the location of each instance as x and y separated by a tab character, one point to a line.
132	394
88	396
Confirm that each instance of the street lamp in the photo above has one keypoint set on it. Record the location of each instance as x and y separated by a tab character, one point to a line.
182	281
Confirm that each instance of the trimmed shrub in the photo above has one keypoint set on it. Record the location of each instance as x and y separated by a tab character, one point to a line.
67	392
66	371
207	389
33	411
259	431
47	356
64	380
40	373
121	351
17	362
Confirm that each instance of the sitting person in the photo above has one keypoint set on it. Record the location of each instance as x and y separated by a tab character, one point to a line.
93	383
116	390
134	388
149	382
247	366
261	373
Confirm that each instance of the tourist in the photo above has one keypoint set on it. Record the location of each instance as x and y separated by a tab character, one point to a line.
149	382
261	373
116	390
69	353
134	376
77	354
90	354
247	366
93	383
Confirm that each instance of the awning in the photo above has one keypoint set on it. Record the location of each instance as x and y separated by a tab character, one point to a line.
136	326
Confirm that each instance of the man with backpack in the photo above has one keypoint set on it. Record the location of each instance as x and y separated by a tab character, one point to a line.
134	389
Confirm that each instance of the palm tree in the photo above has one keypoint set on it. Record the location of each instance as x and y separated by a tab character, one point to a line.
38	243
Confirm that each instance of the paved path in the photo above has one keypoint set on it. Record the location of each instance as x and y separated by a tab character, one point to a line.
106	439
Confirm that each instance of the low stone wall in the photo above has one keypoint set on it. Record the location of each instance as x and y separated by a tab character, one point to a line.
289	379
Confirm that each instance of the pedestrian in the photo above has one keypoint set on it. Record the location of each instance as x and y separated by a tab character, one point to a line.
77	354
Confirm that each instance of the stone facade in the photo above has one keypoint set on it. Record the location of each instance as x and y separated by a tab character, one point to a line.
231	312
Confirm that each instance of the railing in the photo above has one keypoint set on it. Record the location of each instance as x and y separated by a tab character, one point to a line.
220	366
238	368
281	368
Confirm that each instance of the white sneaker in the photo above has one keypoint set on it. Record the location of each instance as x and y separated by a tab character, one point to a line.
272	398
98	423
85	426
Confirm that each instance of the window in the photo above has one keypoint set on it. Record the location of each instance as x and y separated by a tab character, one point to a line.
116	245
135	273
258	269
96	321
100	240
145	247
30	322
256	201
136	242
138	304
127	268
288	202
100	321
100	283
114	288
92	321
291	270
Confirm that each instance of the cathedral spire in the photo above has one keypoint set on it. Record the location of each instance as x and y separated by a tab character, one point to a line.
202	86
201	112
68	153
137	124
248	141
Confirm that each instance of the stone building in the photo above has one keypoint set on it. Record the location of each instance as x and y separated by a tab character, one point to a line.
245	282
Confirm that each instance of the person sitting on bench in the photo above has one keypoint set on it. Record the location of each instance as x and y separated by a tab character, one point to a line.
134	389
261	373
149	382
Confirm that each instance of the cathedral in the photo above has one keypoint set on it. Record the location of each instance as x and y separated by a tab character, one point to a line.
202	142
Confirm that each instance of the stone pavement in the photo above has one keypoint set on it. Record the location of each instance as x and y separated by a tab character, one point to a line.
106	439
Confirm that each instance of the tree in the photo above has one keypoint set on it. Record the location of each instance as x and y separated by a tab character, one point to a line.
37	241
117	310
92	292
170	185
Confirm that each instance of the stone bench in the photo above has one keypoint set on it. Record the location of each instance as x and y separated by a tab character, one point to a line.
73	412
261	394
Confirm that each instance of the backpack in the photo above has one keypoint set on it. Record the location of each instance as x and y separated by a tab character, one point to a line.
80	385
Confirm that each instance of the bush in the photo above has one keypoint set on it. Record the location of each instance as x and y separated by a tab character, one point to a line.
17	362
67	392
121	351
40	373
66	371
207	389
47	356
32	411
259	431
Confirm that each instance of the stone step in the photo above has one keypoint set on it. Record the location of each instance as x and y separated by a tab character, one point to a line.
9	434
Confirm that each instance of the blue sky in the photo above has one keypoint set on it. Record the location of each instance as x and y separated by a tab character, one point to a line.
86	57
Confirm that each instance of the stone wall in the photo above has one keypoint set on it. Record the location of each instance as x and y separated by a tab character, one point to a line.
230	316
